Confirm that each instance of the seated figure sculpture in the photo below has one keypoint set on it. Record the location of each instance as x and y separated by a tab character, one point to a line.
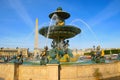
118	57
53	45
18	59
59	53
43	56
97	55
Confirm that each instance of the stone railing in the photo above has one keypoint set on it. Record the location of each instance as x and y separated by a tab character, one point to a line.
63	72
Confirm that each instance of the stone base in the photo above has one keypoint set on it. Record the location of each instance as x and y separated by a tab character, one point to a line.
53	73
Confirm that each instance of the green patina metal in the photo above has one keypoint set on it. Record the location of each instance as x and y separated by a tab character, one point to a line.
96	56
64	32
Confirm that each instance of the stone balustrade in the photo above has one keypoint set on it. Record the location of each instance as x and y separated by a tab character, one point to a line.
103	71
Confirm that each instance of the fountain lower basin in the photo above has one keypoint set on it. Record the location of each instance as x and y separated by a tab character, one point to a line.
64	32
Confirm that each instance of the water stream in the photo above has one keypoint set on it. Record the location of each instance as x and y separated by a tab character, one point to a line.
90	29
52	22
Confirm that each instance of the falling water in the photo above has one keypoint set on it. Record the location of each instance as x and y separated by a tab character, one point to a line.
76	20
54	18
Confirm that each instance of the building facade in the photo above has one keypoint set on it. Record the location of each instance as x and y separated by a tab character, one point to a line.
13	51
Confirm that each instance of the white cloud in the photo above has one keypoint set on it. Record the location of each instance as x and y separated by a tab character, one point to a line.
112	9
20	9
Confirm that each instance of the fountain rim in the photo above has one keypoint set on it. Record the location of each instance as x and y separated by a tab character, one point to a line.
66	31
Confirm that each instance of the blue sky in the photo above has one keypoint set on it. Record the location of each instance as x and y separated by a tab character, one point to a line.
99	21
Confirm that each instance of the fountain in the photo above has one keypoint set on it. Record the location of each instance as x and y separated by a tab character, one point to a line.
97	55
59	32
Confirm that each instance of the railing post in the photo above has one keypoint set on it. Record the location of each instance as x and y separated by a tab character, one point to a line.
53	71
16	71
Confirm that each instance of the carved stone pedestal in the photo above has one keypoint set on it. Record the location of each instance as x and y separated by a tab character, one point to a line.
53	71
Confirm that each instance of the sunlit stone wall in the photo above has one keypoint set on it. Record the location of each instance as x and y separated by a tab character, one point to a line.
90	72
7	72
64	72
32	72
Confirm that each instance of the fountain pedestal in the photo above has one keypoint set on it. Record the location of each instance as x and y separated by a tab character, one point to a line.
53	72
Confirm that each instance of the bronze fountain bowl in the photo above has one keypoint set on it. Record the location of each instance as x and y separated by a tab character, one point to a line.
61	32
